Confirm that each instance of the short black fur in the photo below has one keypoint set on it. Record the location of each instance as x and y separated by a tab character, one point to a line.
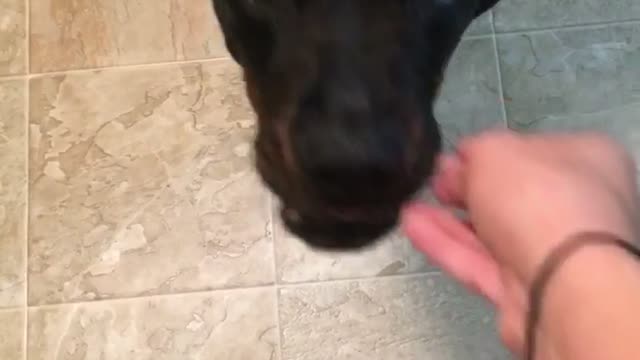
344	91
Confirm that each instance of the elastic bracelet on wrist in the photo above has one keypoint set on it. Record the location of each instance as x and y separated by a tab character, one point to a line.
548	268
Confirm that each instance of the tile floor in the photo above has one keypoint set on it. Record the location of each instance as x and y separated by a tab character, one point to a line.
132	225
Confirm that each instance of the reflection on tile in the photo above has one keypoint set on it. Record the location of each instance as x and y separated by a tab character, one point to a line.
98	33
299	263
239	325
481	26
12	37
12	192
404	319
11	335
525	14
575	79
470	97
142	183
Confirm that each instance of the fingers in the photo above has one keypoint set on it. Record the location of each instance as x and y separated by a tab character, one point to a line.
448	183
512	313
452	226
510	330
454	248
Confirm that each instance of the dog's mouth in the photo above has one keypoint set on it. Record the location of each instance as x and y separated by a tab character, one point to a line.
347	228
345	207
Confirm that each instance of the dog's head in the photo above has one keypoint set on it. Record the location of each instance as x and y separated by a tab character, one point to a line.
343	90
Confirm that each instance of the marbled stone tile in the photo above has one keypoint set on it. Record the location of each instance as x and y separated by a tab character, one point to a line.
470	97
13	192
239	325
12	335
297	262
142	182
481	26
12	37
524	14
575	80
98	33
402	319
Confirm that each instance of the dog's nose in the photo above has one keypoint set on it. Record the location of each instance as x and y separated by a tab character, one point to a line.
357	181
353	171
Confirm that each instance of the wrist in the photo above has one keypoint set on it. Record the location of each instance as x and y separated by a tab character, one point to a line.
591	298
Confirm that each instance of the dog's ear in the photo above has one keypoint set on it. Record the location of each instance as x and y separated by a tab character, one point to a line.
248	31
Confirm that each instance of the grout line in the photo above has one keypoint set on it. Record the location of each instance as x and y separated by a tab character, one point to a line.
477	37
363	279
112	68
503	106
27	136
128	67
9	310
586	26
27	114
237	289
272	230
13	77
27	37
26	212
152	297
278	318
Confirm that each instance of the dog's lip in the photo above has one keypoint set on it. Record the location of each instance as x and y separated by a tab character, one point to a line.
333	234
343	214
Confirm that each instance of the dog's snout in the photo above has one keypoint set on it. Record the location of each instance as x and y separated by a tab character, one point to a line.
359	170
352	163
337	231
344	93
359	180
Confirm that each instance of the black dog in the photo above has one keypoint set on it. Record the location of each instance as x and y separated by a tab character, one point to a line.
344	90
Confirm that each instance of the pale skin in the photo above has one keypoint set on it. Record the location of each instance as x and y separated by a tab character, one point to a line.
524	196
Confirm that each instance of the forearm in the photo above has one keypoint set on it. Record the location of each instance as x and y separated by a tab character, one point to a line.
591	310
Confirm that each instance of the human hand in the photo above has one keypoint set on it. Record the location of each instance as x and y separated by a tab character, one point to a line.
524	194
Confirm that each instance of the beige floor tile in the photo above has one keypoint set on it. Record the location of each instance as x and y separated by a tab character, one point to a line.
480	26
514	15
96	33
12	37
11	335
297	262
415	318
469	100
142	183
12	192
240	325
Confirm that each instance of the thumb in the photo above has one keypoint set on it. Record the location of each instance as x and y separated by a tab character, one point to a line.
451	245
448	183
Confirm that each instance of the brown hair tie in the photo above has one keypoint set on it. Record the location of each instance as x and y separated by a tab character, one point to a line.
550	265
